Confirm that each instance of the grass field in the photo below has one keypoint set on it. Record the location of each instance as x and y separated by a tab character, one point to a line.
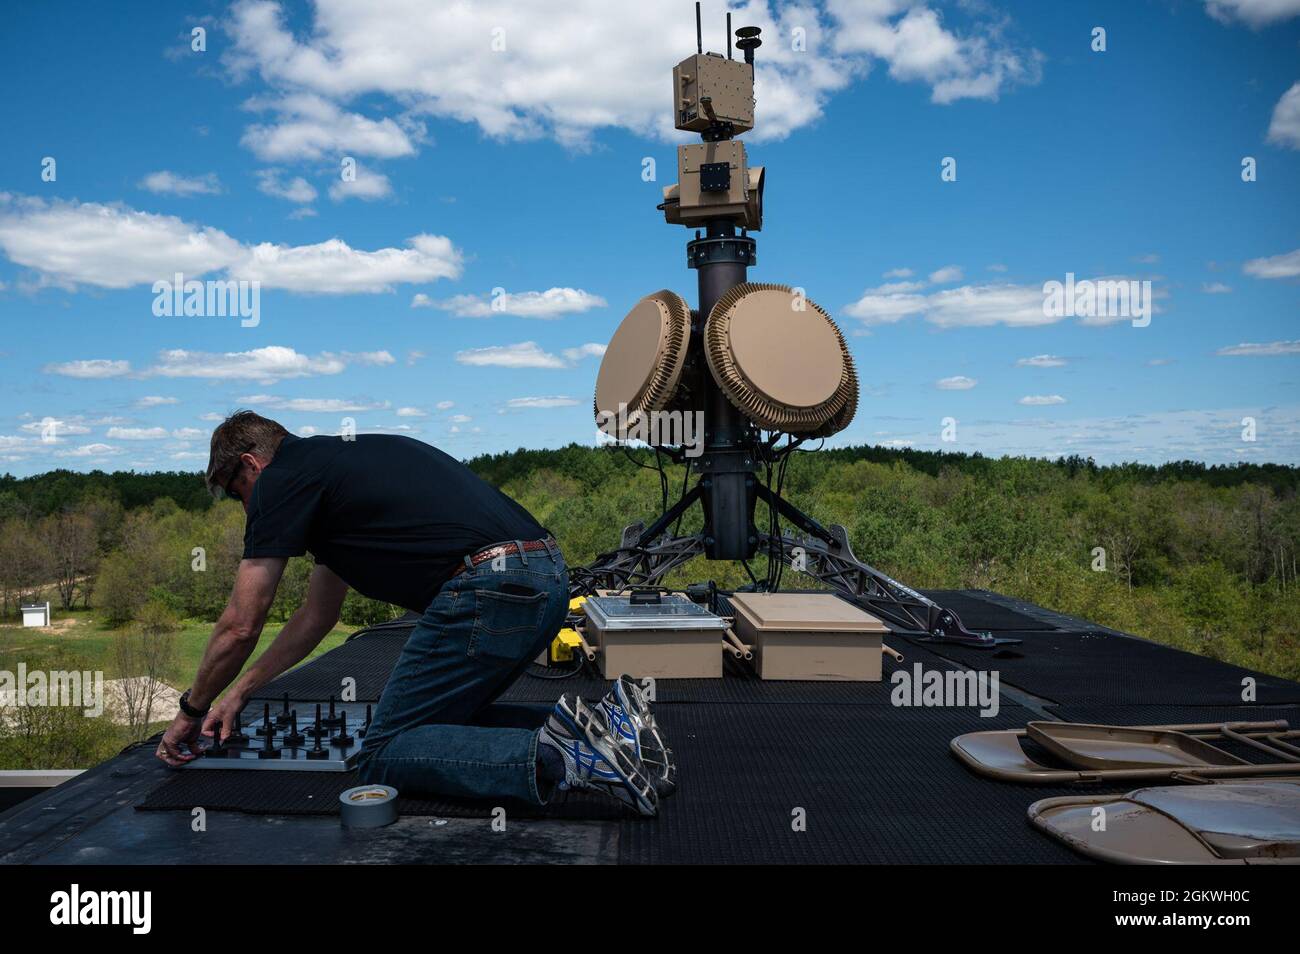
82	635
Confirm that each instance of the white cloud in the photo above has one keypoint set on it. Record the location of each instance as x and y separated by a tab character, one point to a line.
592	349
137	433
112	246
1215	288
886	304
90	368
526	354
154	400
946	275
460	419
57	427
1041	361
297	189
446	405
984	305
919	48
967	306
436	59
188	433
1212	435
172	183
1041	400
312	405
334	267
271	363
1284	128
956	383
898	273
1278	266
312	127
89	450
412	412
366	185
997	268
542	402
1246	349
1254	13
551	303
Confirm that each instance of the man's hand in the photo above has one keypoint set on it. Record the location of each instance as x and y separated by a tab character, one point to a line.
223	714
180	742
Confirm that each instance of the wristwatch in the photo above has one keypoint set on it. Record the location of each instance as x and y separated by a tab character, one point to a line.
189	710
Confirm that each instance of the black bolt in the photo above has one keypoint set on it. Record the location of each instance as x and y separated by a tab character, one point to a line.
282	717
216	750
294	739
266	728
316	752
343	739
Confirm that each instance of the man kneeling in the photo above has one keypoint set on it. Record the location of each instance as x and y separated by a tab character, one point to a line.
400	521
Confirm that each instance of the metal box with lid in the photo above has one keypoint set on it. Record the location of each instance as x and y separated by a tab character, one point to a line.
815	636
667	637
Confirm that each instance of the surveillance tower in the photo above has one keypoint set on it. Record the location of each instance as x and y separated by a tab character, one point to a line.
763	366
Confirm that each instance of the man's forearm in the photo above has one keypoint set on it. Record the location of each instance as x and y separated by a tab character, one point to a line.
300	635
228	650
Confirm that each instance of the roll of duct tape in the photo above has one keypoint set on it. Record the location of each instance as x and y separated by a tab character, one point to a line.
368	806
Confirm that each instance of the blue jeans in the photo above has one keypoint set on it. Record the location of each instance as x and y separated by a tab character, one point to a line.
437	729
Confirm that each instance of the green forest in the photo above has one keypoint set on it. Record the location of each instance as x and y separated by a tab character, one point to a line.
1199	557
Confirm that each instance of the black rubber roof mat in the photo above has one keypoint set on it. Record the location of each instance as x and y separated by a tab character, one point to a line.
1097	668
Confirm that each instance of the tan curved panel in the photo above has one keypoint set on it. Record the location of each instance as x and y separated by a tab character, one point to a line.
786	367
790	355
643	364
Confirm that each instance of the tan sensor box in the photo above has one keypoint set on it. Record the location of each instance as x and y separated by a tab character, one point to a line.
671	639
812	636
707	81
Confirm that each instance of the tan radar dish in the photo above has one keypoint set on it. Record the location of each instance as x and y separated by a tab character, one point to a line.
781	359
643	364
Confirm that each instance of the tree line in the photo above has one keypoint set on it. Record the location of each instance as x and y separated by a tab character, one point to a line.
1203	557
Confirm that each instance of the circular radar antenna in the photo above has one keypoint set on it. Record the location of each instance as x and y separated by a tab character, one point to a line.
781	360
643	364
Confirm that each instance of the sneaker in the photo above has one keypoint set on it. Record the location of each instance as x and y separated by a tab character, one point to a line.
593	758
627	709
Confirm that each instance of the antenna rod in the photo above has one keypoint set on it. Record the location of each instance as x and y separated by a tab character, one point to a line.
699	36
728	34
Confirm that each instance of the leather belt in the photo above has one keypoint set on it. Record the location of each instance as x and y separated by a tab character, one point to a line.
503	549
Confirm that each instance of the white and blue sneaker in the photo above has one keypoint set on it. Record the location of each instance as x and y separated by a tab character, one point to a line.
593	758
627	710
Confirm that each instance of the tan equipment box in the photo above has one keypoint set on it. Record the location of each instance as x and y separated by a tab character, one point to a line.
814	636
671	639
708	81
714	181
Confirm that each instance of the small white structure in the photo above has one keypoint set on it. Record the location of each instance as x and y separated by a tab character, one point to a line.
37	614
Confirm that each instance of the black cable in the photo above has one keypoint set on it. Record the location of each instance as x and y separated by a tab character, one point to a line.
686	479
663	482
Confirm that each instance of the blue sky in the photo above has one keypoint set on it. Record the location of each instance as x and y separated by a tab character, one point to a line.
520	169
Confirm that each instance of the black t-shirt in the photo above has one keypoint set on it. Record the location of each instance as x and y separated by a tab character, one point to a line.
390	515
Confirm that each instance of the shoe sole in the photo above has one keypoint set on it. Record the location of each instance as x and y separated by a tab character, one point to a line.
623	766
655	753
